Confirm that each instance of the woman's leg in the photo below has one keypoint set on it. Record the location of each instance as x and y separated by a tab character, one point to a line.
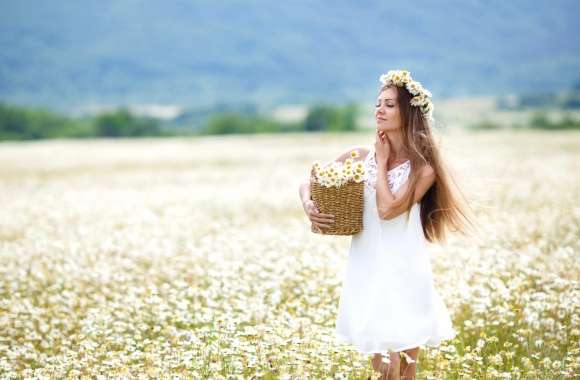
408	370
389	371
377	360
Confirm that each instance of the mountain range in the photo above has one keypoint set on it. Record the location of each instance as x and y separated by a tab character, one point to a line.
76	54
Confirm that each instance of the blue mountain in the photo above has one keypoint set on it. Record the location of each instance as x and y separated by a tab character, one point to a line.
72	53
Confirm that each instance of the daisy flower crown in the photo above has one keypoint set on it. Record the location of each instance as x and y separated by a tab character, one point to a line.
421	96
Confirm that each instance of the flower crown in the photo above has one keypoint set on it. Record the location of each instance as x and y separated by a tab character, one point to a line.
421	96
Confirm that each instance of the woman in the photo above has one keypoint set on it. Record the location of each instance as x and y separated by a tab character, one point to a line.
388	301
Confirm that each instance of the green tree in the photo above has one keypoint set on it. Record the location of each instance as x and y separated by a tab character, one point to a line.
122	123
233	122
320	118
17	122
348	116
328	118
541	121
115	124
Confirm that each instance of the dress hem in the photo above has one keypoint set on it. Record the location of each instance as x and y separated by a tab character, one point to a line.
342	338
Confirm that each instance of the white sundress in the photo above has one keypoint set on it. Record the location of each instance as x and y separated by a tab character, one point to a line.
388	301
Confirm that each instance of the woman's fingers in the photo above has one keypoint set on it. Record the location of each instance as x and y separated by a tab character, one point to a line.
320	220
316	218
322	226
380	136
325	215
320	214
320	217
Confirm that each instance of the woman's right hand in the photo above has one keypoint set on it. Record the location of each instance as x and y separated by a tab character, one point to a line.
319	220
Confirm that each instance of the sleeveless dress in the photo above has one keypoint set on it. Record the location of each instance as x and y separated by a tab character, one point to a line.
388	301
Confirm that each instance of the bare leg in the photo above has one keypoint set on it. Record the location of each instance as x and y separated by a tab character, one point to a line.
377	360
389	371
408	370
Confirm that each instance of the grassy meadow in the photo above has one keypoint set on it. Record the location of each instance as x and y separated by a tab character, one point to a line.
191	258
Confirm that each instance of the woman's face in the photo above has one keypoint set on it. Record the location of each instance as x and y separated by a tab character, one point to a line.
387	112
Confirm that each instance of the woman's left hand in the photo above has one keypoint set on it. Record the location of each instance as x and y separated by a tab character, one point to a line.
382	147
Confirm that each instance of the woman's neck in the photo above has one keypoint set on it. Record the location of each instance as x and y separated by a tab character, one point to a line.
398	151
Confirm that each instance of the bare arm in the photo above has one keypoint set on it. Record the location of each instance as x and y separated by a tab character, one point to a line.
320	220
391	205
304	191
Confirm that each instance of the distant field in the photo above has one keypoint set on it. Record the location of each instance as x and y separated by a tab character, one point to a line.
192	258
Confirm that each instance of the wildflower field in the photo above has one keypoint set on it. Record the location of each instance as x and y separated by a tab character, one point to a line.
193	259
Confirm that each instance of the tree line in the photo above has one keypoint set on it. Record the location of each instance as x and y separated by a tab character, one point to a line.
26	123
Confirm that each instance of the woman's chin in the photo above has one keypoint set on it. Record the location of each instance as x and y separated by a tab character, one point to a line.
385	129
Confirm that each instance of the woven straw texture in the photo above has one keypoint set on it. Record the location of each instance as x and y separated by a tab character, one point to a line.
345	203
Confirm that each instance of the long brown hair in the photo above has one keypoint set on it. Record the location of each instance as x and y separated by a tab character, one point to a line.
442	208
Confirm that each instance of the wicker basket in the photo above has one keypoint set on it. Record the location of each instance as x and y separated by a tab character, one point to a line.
345	203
